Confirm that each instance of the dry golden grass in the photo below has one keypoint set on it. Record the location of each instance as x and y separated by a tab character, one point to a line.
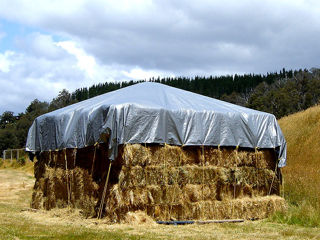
302	173
23	164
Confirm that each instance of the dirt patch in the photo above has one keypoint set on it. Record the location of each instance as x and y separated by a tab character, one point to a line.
12	183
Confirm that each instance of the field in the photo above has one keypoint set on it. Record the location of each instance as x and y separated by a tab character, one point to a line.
302	191
18	222
302	174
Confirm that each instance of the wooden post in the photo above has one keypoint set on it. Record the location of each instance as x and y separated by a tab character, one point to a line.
104	193
17	154
11	154
4	155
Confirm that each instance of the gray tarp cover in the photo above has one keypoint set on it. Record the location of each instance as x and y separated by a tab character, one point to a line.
155	113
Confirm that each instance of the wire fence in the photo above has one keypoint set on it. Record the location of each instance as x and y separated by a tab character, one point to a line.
11	154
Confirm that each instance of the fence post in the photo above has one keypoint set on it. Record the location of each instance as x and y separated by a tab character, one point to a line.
4	155
11	154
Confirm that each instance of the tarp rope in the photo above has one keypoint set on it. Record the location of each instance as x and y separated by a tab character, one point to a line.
55	156
75	151
174	189
282	186
275	172
203	159
50	157
96	145
234	176
219	155
104	193
235	171
165	174
67	177
256	163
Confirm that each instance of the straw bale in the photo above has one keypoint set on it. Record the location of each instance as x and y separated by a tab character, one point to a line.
136	154
51	190
132	176
247	208
196	192
166	182
138	218
171	156
143	155
231	157
159	175
129	197
154	194
37	199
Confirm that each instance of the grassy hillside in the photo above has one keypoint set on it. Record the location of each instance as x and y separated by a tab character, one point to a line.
302	174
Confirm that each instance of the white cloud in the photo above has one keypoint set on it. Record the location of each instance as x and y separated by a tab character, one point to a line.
5	61
182	36
84	61
138	39
43	67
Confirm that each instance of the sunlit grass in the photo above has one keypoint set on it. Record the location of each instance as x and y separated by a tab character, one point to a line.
302	173
23	164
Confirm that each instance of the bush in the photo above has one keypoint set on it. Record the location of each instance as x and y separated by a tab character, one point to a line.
21	161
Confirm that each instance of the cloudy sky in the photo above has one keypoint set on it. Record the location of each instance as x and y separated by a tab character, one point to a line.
49	45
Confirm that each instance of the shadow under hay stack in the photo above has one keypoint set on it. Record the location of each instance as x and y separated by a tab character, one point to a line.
166	157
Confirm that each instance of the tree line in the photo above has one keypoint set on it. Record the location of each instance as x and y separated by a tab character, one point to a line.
280	93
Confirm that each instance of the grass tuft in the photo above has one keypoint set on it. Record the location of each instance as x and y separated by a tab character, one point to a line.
303	214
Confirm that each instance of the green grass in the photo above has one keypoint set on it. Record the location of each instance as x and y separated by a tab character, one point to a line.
303	214
15	224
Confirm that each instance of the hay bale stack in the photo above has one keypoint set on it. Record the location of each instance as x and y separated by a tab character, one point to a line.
69	177
165	182
171	182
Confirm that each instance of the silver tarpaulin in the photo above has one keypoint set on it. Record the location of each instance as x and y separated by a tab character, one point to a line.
155	113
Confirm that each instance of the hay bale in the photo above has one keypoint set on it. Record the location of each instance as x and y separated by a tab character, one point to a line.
138	218
247	208
165	182
136	155
144	155
50	191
